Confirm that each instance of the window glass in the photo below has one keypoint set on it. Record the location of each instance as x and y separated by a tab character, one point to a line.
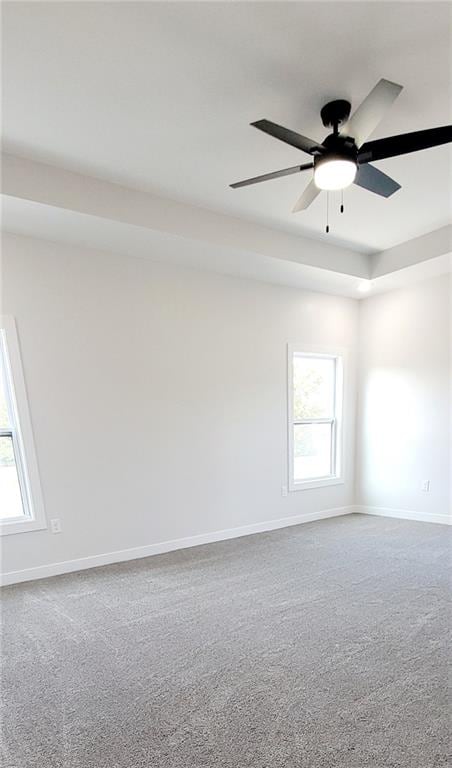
314	383
316	411
4	418
312	451
11	501
21	502
10	495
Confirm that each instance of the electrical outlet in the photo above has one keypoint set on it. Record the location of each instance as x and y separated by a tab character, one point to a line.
284	490
426	486
55	525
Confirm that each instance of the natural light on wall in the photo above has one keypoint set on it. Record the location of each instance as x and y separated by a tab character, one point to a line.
393	426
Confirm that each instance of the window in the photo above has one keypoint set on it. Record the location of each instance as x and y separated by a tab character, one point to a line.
21	506
315	415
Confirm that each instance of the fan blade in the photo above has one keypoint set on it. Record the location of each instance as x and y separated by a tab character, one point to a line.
376	181
274	175
404	143
369	113
308	196
290	137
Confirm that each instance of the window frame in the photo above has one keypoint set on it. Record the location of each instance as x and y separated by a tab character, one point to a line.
21	431
337	432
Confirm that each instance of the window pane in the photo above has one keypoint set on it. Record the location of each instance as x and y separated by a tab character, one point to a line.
10	496
314	383
312	451
4	420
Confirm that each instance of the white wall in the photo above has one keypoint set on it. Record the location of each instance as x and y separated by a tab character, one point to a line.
404	429
158	397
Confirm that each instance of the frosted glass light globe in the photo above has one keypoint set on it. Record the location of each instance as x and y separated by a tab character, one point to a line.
334	174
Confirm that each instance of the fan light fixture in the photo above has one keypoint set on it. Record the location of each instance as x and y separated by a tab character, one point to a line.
346	154
334	173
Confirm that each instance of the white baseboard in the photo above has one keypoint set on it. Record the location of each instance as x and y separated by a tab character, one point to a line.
403	514
135	553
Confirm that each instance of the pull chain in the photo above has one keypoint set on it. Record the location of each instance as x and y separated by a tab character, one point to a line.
342	201
327	212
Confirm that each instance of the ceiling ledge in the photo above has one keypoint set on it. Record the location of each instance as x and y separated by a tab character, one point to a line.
51	186
432	245
37	222
53	204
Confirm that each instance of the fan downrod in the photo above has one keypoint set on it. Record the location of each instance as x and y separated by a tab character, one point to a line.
334	113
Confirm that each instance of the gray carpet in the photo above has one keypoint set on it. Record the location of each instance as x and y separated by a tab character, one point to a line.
318	646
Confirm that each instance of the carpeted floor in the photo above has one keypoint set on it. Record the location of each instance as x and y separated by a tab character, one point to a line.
318	646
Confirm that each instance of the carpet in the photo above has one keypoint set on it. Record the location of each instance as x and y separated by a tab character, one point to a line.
318	646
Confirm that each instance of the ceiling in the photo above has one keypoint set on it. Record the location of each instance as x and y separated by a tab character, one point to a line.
158	96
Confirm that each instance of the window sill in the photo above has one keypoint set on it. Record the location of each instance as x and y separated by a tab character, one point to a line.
321	482
21	526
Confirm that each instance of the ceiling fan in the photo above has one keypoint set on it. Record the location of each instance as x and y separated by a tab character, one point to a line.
345	155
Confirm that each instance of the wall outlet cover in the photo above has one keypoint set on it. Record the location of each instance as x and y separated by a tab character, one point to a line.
55	525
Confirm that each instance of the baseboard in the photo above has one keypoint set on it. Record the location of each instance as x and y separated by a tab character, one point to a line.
135	553
403	514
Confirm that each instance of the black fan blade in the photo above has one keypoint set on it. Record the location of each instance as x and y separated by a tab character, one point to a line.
376	181
290	137
274	175
404	143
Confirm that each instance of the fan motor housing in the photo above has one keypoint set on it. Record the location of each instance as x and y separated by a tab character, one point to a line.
338	148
